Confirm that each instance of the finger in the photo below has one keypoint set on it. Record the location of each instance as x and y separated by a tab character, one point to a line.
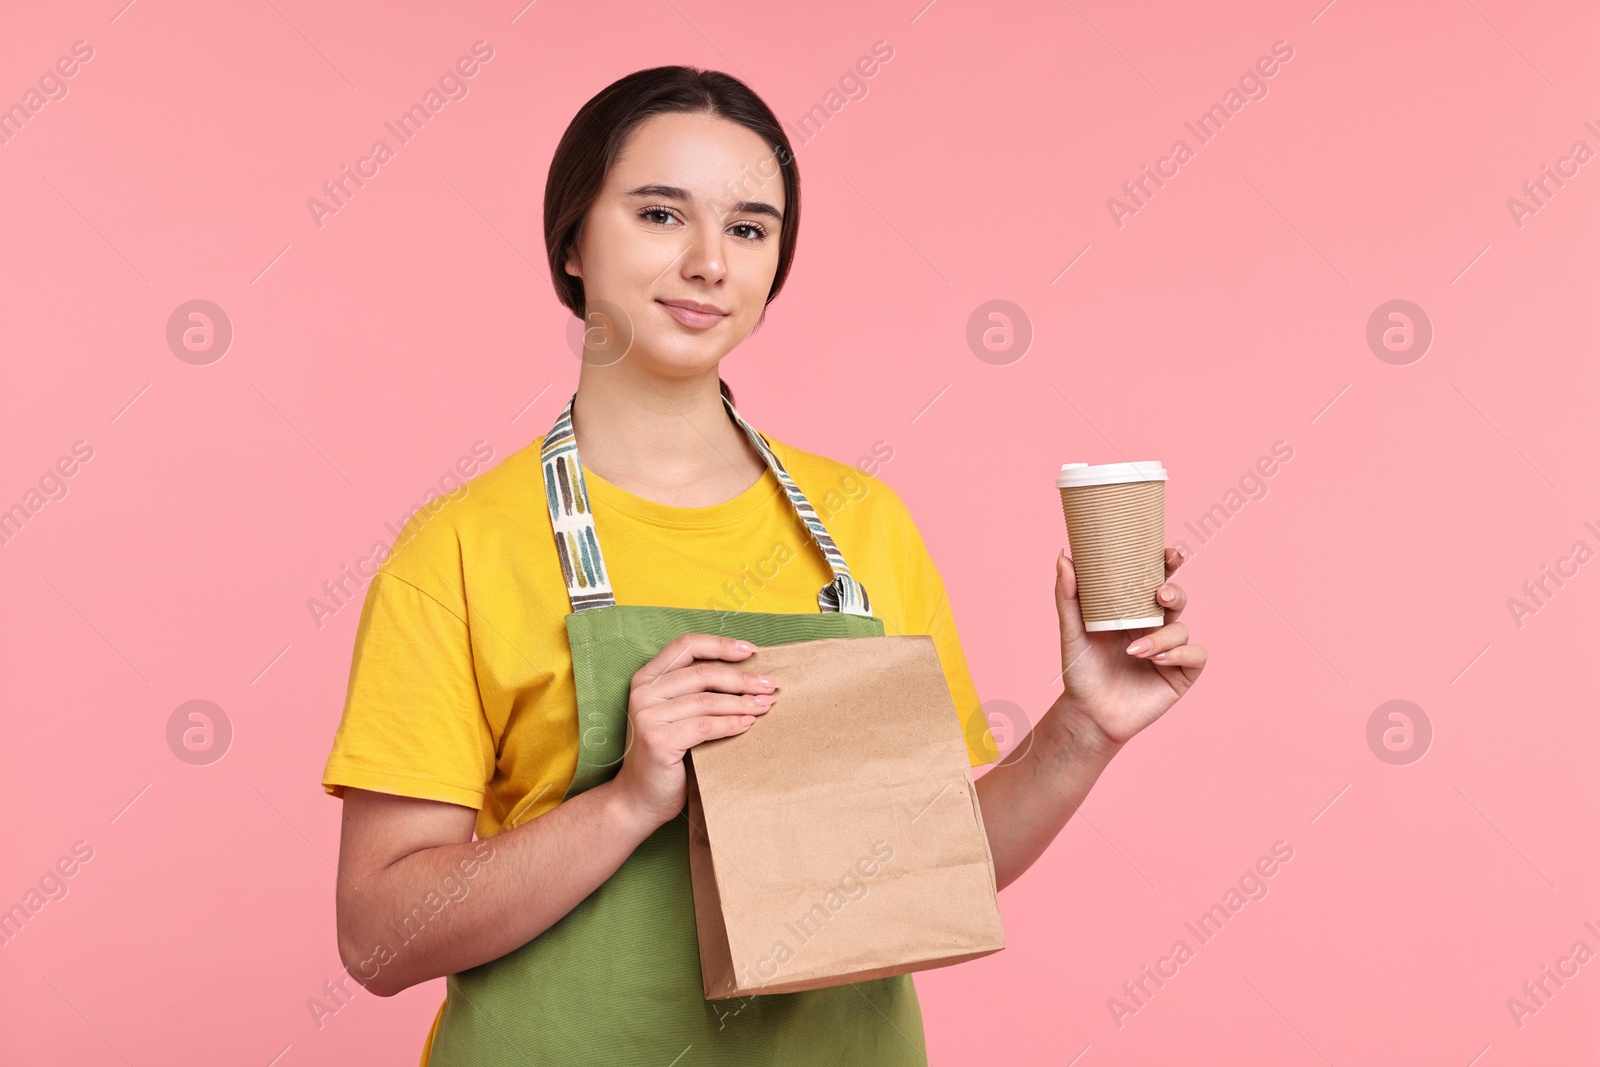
687	733
1159	640
1067	608
1173	599
1074	638
706	674
712	704
686	648
1190	656
1175	558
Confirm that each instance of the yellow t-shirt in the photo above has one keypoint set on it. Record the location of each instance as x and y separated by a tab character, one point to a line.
461	686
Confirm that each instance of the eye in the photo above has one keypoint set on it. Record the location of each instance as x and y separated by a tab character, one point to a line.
649	211
760	233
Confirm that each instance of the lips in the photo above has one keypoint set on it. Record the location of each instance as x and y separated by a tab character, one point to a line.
694	314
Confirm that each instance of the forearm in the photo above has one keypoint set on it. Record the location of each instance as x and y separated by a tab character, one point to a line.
423	917
1026	801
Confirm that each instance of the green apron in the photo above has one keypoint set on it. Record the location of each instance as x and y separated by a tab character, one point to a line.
616	981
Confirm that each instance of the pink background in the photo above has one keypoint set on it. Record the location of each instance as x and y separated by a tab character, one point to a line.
1227	314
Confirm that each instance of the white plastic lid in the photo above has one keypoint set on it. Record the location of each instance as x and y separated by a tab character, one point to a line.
1076	474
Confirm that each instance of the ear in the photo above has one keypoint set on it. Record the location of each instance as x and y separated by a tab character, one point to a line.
573	265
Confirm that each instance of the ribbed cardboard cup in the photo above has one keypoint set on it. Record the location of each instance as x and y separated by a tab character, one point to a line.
1116	523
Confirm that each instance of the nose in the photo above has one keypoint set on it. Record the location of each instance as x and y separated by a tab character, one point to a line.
705	257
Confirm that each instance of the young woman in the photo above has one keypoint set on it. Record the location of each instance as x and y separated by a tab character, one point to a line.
536	657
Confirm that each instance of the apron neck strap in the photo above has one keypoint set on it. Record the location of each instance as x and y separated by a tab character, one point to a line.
578	545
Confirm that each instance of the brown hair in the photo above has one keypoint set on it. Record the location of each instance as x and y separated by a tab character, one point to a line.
597	133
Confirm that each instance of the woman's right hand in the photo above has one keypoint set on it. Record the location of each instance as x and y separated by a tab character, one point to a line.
690	692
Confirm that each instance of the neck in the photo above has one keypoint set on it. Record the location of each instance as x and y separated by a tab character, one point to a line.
666	439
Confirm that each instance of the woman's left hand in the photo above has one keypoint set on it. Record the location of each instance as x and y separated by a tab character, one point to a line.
1112	693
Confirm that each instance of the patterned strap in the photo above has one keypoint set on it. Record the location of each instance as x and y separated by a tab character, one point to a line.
588	581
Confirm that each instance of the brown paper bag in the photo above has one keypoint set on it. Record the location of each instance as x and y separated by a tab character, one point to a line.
838	839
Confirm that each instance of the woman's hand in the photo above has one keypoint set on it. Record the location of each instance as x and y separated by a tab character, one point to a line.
1110	694
688	693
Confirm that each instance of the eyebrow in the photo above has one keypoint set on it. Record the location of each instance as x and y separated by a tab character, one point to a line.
672	192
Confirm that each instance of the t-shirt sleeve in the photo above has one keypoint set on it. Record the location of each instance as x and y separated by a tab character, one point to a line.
413	722
928	607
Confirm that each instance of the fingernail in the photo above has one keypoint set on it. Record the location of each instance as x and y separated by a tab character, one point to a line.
1137	647
1166	594
762	700
764	680
1159	655
745	646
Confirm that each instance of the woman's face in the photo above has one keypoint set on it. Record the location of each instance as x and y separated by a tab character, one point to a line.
689	214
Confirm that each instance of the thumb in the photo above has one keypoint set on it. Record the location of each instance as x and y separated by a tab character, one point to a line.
1074	638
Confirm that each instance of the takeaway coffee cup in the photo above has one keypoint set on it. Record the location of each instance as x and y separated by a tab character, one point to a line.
1116	522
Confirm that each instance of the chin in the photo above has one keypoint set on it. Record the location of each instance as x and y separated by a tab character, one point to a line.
674	360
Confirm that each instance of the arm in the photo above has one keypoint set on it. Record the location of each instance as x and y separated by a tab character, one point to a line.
1027	801
1109	695
417	898
395	851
